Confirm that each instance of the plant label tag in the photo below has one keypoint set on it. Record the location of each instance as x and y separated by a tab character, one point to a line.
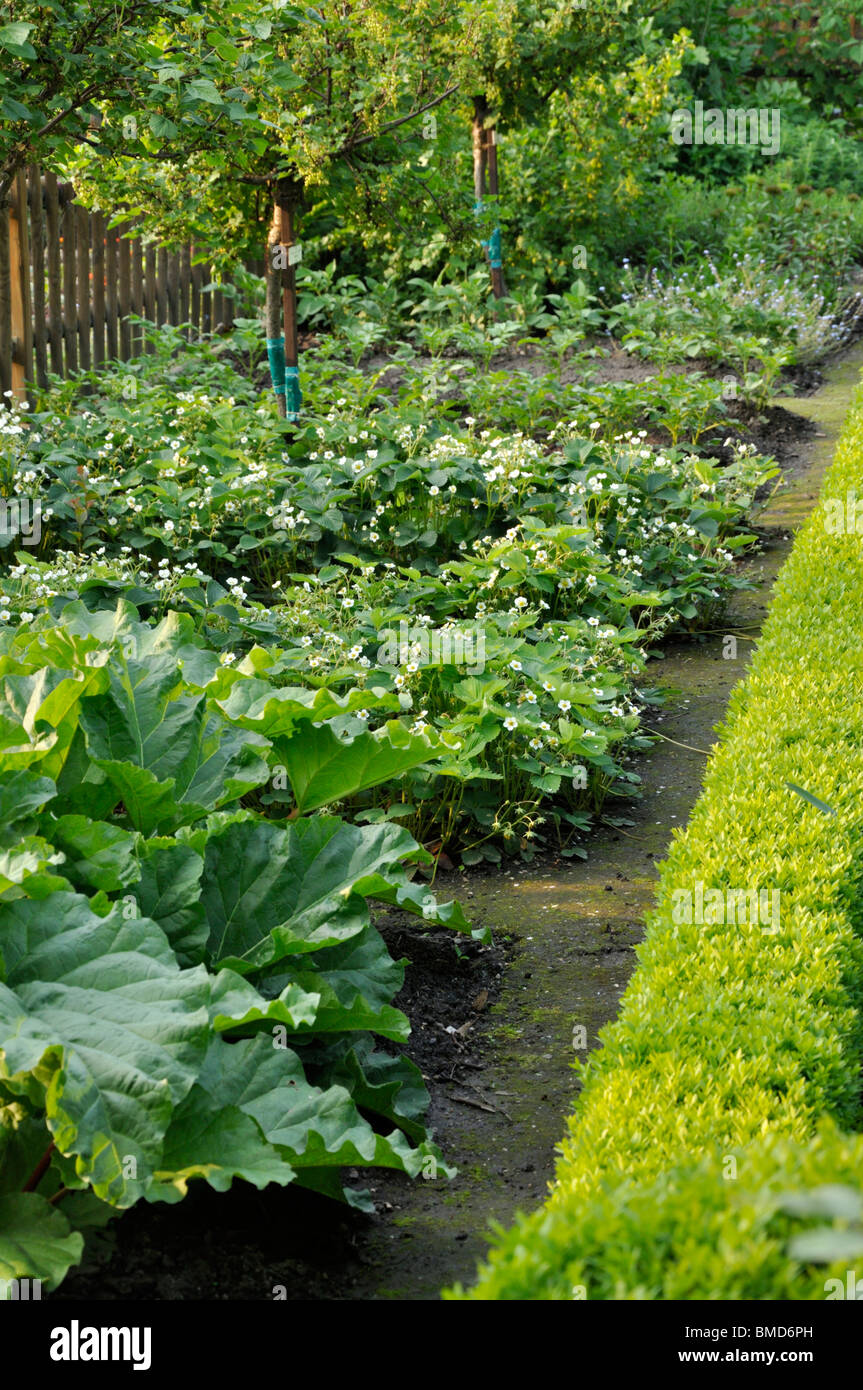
295	254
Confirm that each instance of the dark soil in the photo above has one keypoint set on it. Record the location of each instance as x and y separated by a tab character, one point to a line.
776	432
449	985
605	361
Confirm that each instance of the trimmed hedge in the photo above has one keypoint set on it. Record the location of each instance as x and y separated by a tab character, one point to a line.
723	1084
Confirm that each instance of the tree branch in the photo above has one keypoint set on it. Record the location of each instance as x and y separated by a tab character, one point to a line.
391	125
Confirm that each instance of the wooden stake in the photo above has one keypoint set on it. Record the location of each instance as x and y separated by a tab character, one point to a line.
197	281
174	287
497	281
485	185
273	315
287	197
206	300
185	285
162	286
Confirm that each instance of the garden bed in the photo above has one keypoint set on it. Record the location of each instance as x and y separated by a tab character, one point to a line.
706	1157
499	1087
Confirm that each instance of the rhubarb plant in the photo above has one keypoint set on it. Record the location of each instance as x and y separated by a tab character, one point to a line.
191	982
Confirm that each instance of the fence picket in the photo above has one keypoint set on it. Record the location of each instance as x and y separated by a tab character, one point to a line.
111	291
135	251
173	287
162	287
124	291
150	287
70	300
55	296
195	307
98	230
21	290
5	302
37	254
83	230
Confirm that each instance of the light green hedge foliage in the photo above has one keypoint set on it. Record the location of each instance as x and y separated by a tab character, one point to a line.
734	1042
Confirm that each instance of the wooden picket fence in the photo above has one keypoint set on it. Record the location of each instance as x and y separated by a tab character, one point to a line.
70	286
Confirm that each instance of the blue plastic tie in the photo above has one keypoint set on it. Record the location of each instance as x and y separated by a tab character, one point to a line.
276	357
293	395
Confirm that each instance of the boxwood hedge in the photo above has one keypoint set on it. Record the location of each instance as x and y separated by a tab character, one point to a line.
713	1153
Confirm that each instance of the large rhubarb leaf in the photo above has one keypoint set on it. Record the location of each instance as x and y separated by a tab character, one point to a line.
318	1128
100	1026
256	704
112	627
36	1240
149	804
377	1081
123	1058
236	1005
416	897
22	793
98	855
31	868
39	715
28	699
24	1139
210	1138
323	767
191	758
355	980
271	891
169	892
228	763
